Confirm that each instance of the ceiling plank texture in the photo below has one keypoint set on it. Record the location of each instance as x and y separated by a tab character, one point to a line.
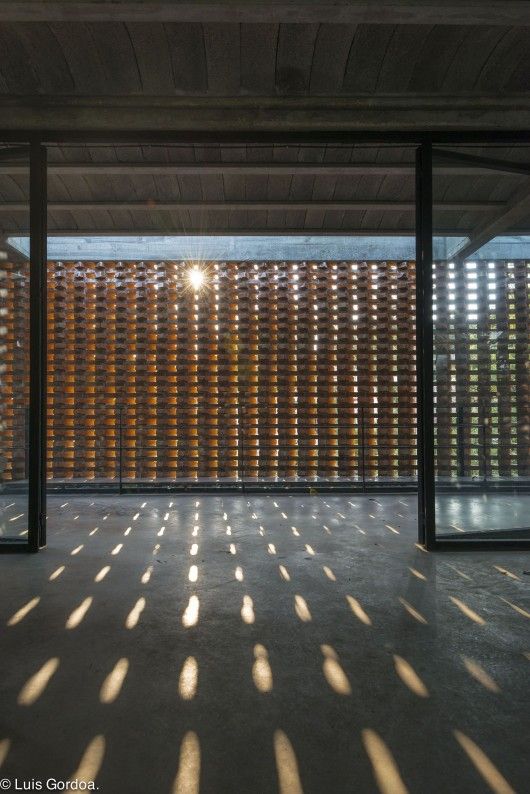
422	12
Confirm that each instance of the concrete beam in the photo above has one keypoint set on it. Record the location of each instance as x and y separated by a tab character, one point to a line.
263	231
517	209
270	244
510	247
252	206
222	248
54	114
254	246
477	165
246	169
13	252
401	12
220	169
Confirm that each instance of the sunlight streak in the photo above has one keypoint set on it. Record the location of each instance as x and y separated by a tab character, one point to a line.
261	669
413	612
467	611
483	765
384	767
188	679
410	677
333	672
188	776
191	613
286	765
111	687
247	610
134	615
79	613
23	611
101	575
301	609
358	611
35	686
91	761
479	674
5	744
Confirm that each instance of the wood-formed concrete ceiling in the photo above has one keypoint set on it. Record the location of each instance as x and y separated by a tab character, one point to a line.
225	60
262	190
255	66
265	65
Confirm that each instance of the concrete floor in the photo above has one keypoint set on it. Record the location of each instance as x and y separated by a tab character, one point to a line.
482	512
260	644
456	513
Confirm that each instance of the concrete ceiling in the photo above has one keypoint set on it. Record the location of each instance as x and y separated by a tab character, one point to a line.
233	66
274	189
414	64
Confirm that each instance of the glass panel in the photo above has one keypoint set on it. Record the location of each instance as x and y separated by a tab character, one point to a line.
14	346
190	343
481	311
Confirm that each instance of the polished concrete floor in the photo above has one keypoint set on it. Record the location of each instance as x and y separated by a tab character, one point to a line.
490	512
458	512
261	644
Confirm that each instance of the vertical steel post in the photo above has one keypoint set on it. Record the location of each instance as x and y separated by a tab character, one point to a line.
424	345
26	442
120	448
460	443
483	457
363	456
37	348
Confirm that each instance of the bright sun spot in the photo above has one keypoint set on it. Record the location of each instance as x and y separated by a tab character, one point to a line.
196	277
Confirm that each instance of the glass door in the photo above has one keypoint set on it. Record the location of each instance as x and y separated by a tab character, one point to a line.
22	351
481	342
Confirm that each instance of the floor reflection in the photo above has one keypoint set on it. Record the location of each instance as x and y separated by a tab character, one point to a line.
296	643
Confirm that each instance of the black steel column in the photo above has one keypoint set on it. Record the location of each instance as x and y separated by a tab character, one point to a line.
37	349
424	345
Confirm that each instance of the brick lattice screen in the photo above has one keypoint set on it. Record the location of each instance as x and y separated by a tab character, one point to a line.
14	370
482	369
288	369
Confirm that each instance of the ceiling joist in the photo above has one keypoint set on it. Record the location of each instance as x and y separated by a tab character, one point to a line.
388	12
57	114
253	206
235	231
515	211
253	169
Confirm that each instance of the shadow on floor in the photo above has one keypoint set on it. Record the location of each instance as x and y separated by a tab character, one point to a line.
261	644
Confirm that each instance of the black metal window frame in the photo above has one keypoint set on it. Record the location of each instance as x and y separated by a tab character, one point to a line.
423	141
36	504
426	154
